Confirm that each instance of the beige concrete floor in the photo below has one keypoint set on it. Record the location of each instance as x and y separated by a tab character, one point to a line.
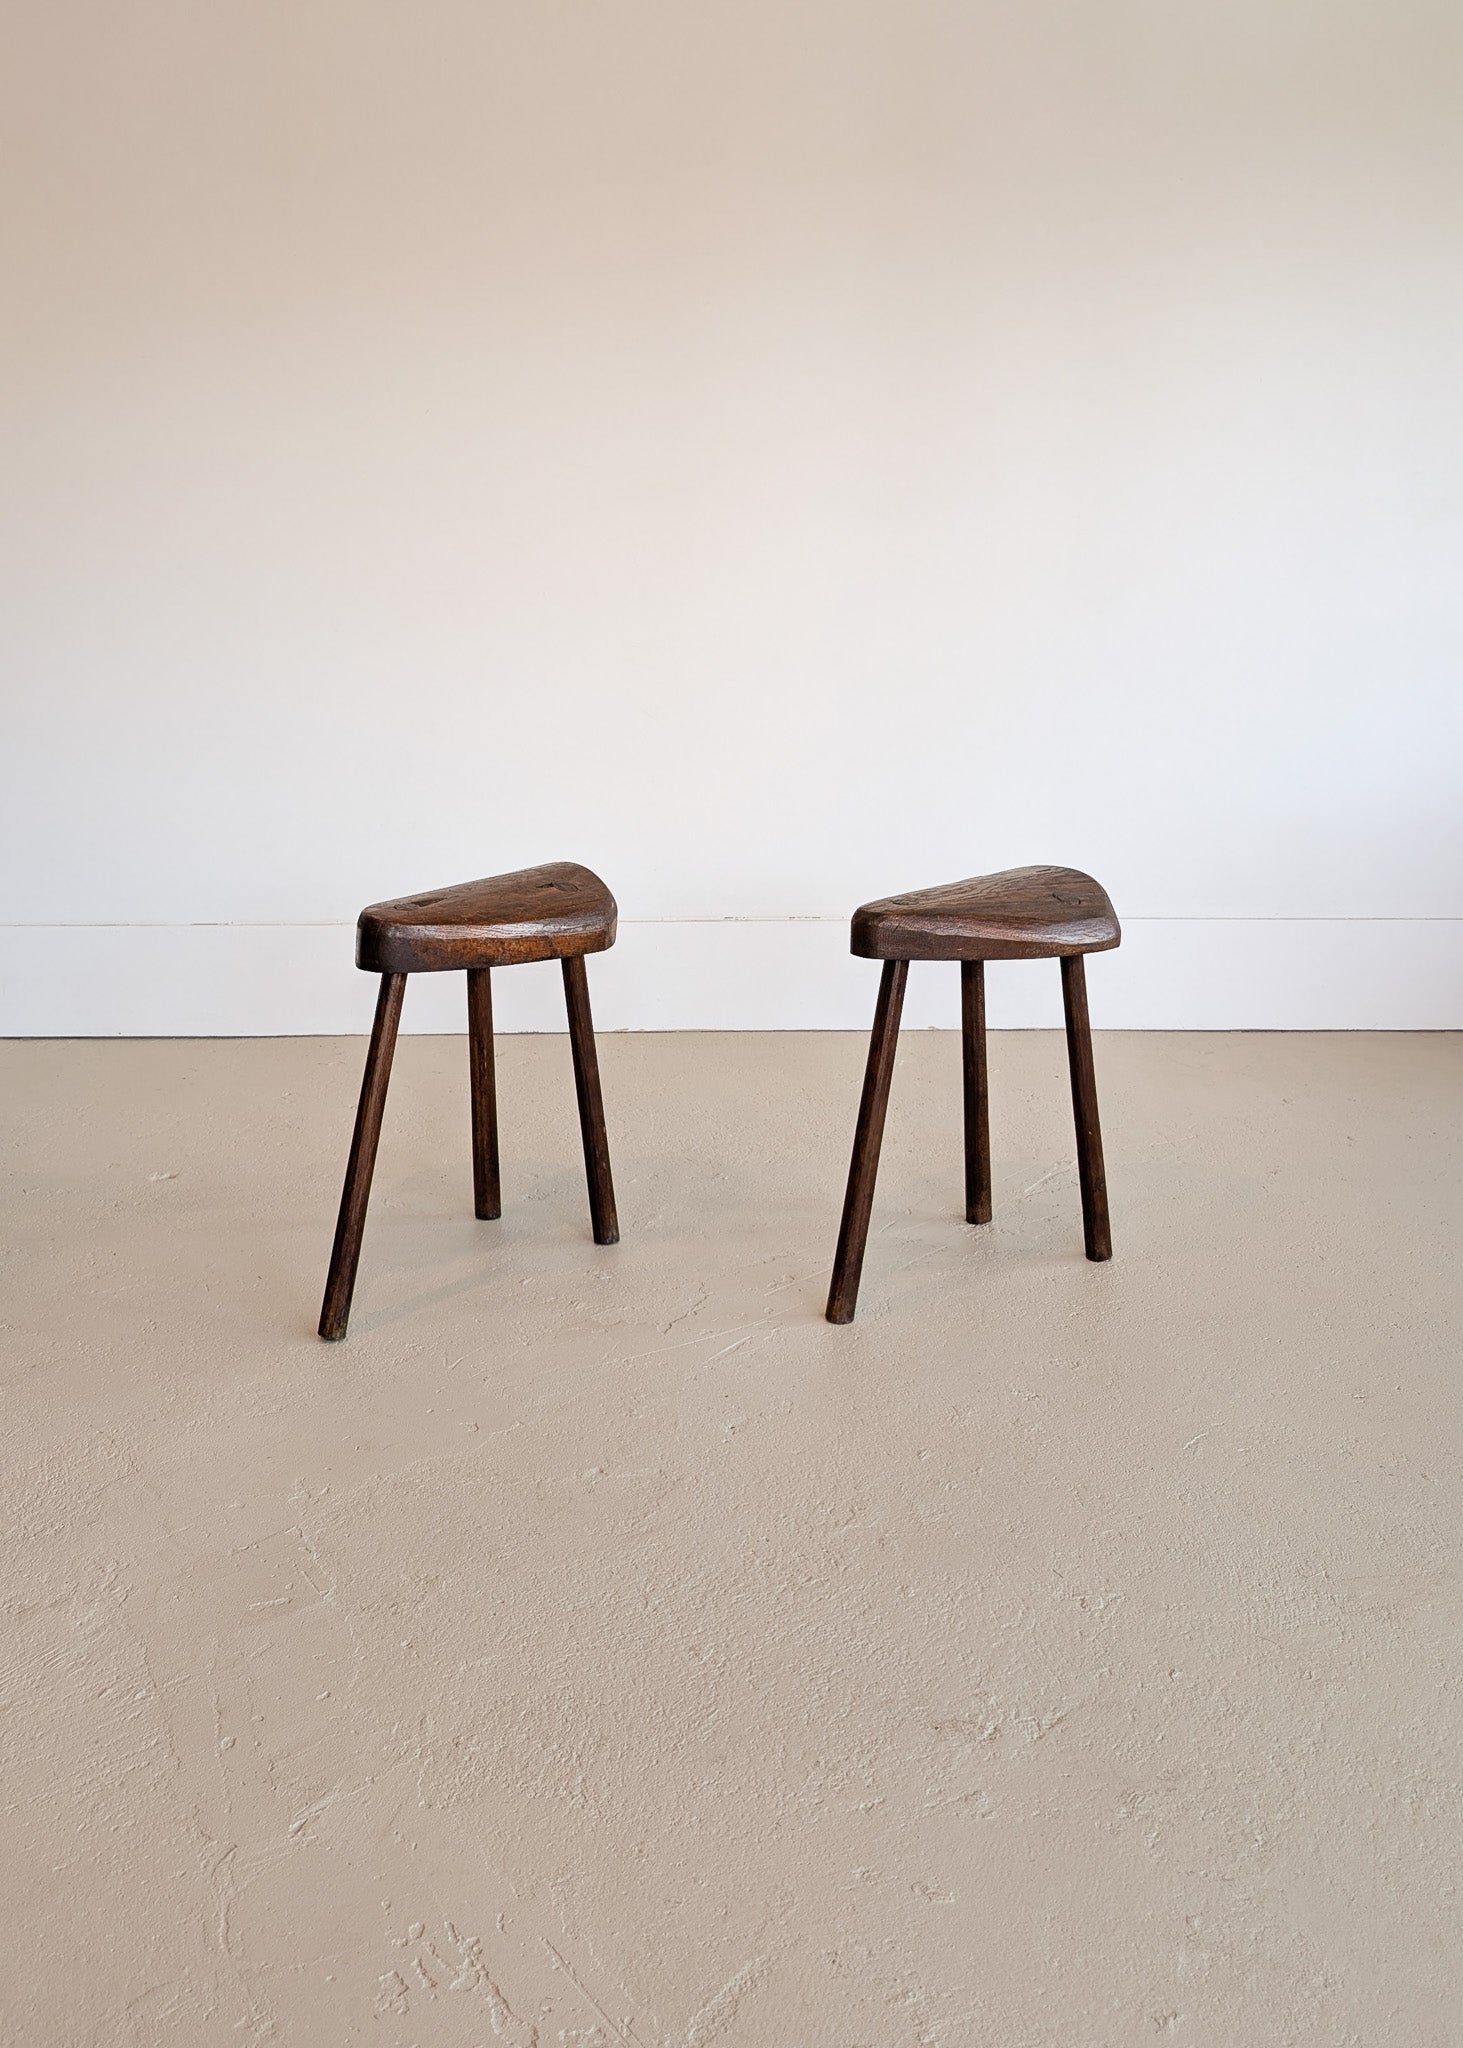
599	1648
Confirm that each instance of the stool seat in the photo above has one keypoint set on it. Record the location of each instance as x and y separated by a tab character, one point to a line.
1020	914
556	912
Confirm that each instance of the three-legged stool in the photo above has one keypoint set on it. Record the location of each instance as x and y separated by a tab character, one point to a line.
1023	914
558	912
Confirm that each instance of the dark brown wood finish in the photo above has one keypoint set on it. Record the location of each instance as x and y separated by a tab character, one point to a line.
1021	914
863	1168
559	912
346	1252
977	1094
602	1214
555	912
1090	1172
487	1187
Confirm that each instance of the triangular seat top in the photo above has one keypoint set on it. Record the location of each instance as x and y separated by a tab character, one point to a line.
1020	914
553	912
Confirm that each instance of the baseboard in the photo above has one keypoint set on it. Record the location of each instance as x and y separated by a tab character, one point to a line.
1171	974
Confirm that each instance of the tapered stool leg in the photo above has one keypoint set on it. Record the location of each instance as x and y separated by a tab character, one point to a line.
591	1105
977	1099
853	1232
345	1256
1090	1172
486	1187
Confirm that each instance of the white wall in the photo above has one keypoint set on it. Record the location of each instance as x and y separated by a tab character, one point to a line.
776	452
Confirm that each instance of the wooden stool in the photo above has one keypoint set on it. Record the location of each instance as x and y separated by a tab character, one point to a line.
1023	914
558	912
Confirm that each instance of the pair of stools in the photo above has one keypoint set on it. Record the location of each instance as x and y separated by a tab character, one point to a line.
563	912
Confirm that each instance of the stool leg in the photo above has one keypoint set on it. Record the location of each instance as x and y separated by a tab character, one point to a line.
853	1232
345	1256
1084	1109
591	1105
486	1187
977	1101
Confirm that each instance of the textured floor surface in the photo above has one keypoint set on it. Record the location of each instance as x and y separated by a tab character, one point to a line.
599	1649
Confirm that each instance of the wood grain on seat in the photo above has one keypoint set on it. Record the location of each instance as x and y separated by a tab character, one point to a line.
1021	914
556	912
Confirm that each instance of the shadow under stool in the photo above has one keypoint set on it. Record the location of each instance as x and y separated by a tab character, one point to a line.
558	912
1021	914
